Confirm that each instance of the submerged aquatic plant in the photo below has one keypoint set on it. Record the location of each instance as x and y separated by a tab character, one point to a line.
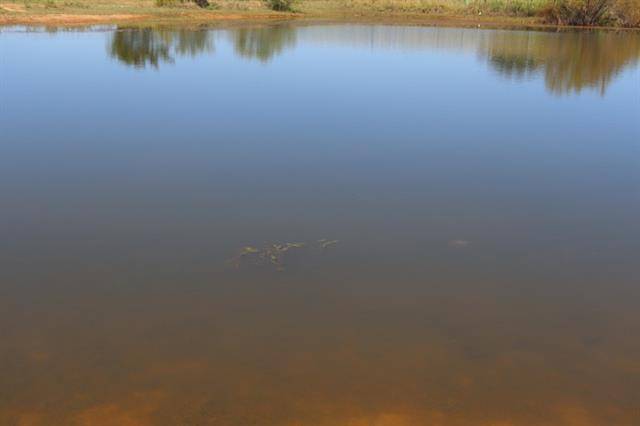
324	243
244	252
274	253
271	254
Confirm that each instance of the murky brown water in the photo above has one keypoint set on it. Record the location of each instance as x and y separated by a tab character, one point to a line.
483	186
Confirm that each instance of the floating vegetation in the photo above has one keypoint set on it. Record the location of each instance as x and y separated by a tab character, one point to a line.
272	254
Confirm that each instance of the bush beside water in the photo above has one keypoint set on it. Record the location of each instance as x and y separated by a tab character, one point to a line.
578	12
625	13
168	3
593	12
280	5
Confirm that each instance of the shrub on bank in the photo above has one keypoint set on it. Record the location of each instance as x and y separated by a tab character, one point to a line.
578	12
280	5
169	3
626	13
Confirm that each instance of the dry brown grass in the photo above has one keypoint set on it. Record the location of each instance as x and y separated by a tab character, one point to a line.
621	13
627	12
522	8
85	12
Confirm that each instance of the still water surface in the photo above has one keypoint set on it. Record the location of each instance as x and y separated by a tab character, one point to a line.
483	186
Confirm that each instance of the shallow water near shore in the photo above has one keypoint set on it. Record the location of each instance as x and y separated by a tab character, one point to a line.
480	190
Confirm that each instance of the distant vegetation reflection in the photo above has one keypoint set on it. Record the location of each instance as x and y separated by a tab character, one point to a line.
568	61
143	47
263	43
151	47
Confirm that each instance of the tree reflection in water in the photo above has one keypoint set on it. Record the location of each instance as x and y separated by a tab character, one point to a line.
142	47
263	43
570	62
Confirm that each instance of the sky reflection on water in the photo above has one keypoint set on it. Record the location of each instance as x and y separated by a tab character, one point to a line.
486	272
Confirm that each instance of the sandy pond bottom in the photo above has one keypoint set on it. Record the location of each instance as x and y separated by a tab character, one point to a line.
483	186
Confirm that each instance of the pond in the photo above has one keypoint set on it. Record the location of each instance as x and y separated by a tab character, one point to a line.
319	225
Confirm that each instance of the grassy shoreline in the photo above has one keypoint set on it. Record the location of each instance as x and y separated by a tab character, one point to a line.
145	12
